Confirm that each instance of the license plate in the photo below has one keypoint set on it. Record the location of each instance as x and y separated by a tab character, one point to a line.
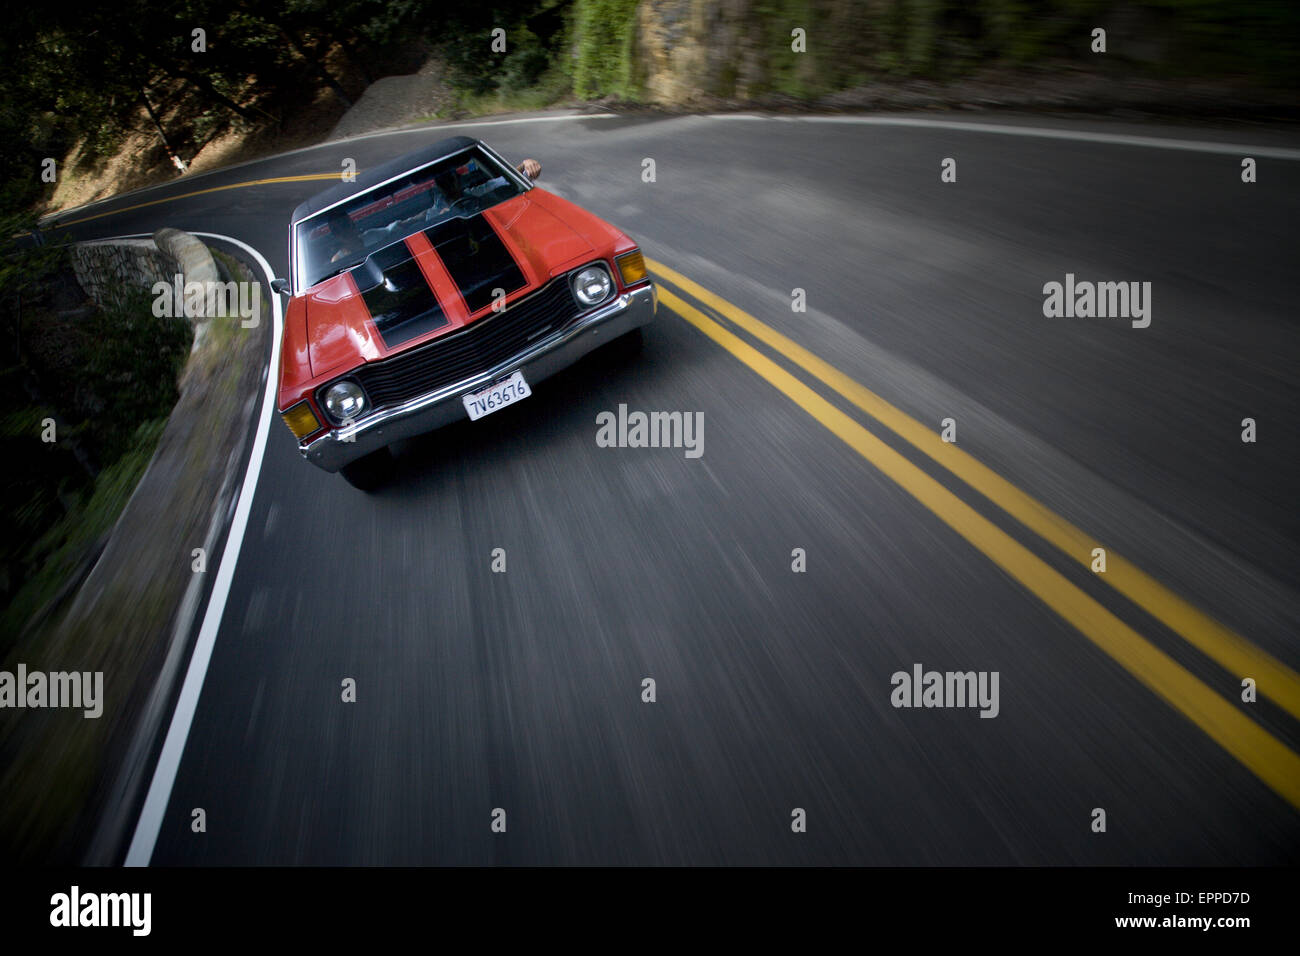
496	396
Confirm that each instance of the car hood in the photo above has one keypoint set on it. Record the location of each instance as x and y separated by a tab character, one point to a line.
436	281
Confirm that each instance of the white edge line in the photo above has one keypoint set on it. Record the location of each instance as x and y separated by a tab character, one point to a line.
164	775
430	128
1081	136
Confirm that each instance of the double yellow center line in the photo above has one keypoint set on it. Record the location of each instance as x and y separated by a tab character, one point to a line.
1265	756
305	178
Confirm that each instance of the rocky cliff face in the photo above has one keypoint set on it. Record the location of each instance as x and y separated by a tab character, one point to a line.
697	52
688	51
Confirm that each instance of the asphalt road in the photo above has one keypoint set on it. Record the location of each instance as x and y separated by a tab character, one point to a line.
522	691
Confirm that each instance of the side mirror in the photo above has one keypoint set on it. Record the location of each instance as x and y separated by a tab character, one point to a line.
280	285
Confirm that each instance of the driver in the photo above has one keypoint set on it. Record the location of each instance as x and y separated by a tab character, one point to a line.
351	242
447	187
345	232
529	167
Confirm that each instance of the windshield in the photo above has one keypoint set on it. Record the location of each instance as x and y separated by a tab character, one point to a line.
339	238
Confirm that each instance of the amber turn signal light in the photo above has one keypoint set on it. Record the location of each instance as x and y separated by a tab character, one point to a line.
631	266
301	420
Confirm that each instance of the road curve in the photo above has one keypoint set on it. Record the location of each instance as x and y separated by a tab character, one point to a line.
523	690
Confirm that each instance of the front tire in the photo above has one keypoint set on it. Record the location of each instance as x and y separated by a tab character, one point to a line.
627	345
370	472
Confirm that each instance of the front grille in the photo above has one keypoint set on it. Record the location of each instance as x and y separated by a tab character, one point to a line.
479	347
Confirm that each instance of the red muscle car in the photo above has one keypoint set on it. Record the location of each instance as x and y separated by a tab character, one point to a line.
440	285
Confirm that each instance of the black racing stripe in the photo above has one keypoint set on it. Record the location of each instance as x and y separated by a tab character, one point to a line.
476	258
401	304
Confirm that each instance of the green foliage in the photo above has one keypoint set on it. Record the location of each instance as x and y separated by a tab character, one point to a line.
131	360
921	35
606	35
535	37
74	74
790	73
106	377
526	59
850	43
25	266
58	533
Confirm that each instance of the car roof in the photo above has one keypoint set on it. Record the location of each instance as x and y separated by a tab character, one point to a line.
382	173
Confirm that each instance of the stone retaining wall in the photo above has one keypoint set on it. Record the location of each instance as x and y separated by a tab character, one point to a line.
107	269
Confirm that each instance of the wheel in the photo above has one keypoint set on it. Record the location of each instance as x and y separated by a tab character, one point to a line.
370	472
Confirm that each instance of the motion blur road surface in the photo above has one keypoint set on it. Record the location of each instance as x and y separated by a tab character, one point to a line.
523	690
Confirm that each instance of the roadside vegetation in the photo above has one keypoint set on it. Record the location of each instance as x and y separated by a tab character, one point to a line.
87	391
182	462
138	87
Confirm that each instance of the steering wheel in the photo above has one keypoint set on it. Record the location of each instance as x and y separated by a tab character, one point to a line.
465	202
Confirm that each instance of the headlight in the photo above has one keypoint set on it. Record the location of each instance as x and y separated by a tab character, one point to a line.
345	401
592	286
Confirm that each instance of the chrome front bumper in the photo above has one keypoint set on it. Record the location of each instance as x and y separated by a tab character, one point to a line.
539	361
